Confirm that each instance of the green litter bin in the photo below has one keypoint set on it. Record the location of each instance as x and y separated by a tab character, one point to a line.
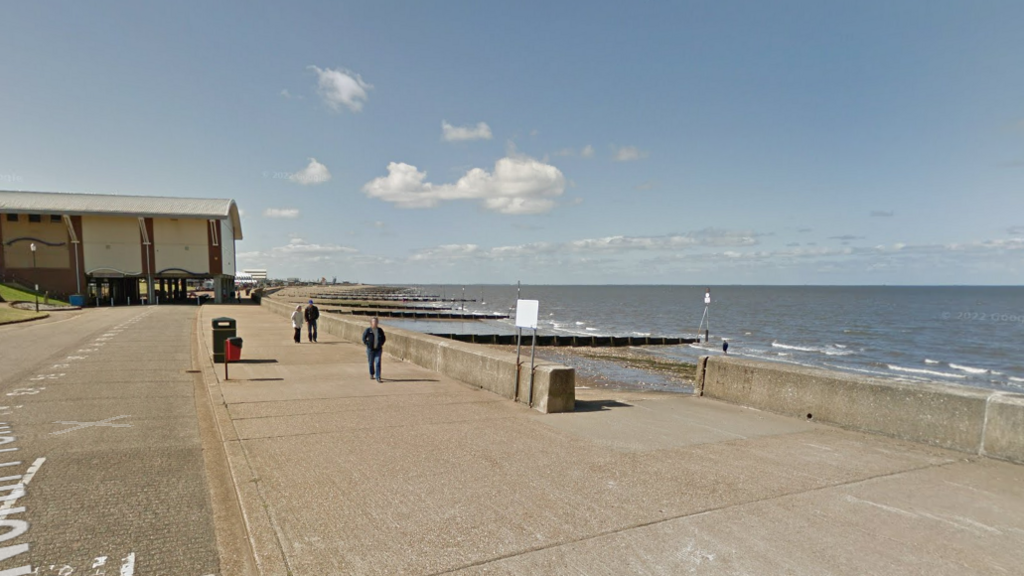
223	328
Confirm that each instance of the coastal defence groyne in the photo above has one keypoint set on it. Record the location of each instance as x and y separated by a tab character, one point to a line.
554	385
985	422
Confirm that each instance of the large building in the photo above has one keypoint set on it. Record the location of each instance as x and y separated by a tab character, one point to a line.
118	248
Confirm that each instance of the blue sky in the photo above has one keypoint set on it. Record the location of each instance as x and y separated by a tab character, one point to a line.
607	142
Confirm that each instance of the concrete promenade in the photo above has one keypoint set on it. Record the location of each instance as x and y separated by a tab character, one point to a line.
336	474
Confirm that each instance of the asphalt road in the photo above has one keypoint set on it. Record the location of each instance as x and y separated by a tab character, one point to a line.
100	454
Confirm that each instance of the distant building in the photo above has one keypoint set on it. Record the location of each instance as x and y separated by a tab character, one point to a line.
118	247
258	274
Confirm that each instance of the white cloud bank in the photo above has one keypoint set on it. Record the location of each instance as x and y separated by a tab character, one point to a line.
518	185
451	133
341	88
313	173
289	213
629	153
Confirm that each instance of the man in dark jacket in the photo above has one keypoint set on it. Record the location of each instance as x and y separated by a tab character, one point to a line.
374	339
311	314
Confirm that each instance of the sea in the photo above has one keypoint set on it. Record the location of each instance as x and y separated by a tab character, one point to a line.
961	335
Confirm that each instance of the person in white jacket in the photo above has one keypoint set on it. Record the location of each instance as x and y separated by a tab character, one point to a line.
297	323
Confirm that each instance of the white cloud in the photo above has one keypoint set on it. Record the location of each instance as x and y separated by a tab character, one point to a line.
585	248
298	246
447	252
281	213
341	88
586	152
451	133
313	173
298	250
629	153
518	185
670	242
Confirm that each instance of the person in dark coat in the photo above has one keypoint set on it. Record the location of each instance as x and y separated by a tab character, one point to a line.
312	314
373	338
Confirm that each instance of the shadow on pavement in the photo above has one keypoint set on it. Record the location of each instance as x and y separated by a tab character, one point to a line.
599	405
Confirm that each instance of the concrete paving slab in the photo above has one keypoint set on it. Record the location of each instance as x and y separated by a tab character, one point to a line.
384	399
321	423
668	421
907	523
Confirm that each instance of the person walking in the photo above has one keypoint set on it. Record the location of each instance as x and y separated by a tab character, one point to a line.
297	323
374	339
312	314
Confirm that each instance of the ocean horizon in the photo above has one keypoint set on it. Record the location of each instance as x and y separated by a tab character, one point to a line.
959	335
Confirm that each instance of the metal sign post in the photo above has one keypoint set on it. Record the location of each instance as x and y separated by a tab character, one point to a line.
519	342
526	317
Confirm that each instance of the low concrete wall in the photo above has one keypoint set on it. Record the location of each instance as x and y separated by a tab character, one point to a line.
554	385
955	417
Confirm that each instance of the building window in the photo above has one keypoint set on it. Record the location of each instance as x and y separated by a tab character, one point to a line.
36	218
12	217
55	219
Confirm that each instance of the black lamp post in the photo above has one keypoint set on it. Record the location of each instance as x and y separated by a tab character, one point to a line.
33	248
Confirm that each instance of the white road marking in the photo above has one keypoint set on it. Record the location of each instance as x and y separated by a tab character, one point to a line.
77	357
128	566
39	377
59	366
25	391
81	425
100	561
6	507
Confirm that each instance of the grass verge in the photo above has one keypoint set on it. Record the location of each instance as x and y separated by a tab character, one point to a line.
9	315
11	294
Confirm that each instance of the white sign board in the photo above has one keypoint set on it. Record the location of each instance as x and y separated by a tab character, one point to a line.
526	313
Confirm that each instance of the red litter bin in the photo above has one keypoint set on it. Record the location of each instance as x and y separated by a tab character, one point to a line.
233	349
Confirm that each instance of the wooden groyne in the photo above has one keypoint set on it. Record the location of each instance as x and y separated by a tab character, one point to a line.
422	314
556	340
353	296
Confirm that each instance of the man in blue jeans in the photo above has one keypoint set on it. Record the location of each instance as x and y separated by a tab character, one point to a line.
374	339
312	314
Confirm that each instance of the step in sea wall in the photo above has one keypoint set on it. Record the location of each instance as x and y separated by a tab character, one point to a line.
973	420
554	385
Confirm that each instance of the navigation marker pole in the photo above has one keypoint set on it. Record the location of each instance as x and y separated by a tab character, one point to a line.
705	320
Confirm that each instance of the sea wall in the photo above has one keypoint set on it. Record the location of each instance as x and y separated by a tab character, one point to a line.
972	420
554	385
